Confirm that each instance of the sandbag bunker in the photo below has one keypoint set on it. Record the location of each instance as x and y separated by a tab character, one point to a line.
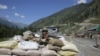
37	45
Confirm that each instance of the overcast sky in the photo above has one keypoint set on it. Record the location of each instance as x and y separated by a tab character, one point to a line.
28	11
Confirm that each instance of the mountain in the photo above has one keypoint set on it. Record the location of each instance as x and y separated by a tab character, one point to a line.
62	17
4	21
20	25
74	14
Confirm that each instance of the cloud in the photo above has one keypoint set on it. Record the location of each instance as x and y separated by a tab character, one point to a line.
13	7
3	6
22	16
80	1
19	15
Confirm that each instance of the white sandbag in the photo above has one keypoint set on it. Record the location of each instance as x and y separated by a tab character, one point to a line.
37	35
33	53
5	55
18	52
26	34
47	52
70	46
8	44
28	45
62	39
18	38
5	51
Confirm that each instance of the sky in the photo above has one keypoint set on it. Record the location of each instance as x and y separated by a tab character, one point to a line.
28	11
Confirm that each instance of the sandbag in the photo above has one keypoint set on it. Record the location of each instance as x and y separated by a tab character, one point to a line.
26	34
17	38
37	35
62	39
18	52
5	51
47	52
8	44
56	42
5	55
41	46
36	39
27	45
33	53
13	55
67	53
55	48
70	47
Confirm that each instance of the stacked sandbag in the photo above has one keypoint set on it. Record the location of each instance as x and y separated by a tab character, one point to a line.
47	52
55	48
56	42
5	55
33	53
5	51
26	34
36	39
62	39
67	53
8	44
18	38
37	35
28	45
18	52
69	47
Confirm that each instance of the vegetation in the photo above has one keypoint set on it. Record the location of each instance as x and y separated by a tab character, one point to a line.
65	16
8	32
71	15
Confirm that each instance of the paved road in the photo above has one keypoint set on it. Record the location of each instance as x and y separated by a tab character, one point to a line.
86	48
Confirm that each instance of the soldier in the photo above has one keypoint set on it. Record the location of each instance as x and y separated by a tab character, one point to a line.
44	37
97	39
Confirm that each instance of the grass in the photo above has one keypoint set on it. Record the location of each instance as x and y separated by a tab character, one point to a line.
3	39
77	27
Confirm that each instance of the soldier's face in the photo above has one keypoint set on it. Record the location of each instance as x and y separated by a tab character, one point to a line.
44	33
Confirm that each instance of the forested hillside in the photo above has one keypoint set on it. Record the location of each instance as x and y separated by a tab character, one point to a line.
71	15
8	32
67	15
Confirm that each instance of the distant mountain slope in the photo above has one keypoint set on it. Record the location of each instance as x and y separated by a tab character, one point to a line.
71	15
4	21
64	16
